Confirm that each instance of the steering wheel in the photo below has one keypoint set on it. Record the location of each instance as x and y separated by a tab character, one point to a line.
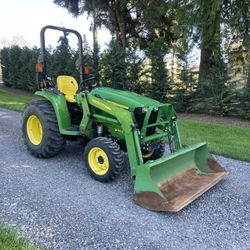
47	83
90	83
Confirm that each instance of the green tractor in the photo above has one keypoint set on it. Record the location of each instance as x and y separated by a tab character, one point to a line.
114	122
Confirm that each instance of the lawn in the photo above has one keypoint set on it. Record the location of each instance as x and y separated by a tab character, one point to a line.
9	240
227	140
13	101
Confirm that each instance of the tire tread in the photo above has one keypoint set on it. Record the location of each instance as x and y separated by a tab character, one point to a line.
54	141
116	157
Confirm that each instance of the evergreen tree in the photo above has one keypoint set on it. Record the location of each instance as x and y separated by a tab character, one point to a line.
27	73
95	57
87	52
19	67
160	80
6	66
62	62
75	7
208	24
113	66
236	14
15	66
135	70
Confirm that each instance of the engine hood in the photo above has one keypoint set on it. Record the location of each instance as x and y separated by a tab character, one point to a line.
124	99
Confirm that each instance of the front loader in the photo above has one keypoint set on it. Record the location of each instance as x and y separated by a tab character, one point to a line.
113	122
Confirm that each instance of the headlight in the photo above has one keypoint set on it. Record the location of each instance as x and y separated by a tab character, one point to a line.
156	109
144	110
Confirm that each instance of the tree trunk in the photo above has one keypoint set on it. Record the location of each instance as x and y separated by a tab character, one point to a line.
248	71
118	14
248	80
95	42
95	38
206	63
210	40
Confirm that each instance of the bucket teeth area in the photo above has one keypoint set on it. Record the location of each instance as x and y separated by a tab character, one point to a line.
181	190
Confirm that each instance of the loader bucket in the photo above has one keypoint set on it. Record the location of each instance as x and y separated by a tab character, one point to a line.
172	182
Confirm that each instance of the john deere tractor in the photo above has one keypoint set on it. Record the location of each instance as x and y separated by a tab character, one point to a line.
115	123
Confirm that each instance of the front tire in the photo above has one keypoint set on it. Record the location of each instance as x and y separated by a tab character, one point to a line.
40	130
103	159
154	154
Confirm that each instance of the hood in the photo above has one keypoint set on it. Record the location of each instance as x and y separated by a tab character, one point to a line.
129	100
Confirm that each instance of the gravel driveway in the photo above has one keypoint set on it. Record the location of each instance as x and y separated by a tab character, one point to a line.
55	203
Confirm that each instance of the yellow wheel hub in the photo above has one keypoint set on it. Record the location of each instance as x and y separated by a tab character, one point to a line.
34	130
149	154
98	161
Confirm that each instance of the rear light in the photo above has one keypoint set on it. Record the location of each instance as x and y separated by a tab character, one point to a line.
39	68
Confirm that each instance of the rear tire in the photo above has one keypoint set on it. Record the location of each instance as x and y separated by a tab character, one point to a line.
46	141
103	158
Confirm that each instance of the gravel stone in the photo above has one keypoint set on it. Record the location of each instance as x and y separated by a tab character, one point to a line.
56	204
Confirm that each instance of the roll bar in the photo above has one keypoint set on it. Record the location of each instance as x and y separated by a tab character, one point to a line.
43	74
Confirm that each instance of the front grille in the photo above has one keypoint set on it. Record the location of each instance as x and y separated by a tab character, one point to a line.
152	119
139	117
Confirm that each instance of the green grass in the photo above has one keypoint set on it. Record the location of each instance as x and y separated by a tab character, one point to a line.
227	140
9	240
13	101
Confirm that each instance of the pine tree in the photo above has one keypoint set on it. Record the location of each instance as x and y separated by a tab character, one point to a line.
113	66
160	80
87	54
135	70
28	58
15	66
6	65
208	23
62	61
236	15
96	60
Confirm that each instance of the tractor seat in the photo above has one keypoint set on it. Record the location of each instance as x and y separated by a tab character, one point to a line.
68	86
